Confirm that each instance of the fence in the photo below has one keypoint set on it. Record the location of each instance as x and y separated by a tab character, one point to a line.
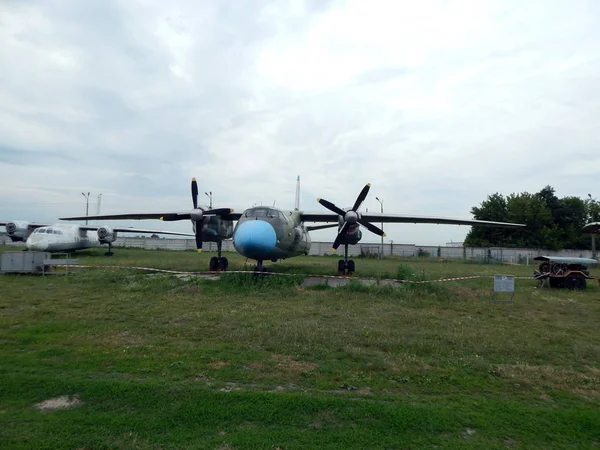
368	250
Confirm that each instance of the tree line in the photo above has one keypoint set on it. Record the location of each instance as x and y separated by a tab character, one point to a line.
551	223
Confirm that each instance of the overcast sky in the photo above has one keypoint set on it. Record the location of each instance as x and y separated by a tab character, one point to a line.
436	103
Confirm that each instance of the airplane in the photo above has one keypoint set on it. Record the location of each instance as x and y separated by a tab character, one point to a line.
268	233
592	228
68	237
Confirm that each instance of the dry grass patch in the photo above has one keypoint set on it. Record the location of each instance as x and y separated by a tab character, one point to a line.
287	364
218	364
63	402
585	384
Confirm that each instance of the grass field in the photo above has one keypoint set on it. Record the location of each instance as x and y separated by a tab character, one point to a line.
158	362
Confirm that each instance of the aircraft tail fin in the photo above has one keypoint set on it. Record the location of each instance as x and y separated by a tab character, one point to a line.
297	203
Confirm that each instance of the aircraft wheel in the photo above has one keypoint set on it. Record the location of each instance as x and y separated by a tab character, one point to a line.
108	254
223	264
213	264
350	267
342	267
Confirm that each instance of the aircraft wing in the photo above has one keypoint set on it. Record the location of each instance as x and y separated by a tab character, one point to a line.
399	218
319	217
135	230
321	227
30	225
593	227
164	216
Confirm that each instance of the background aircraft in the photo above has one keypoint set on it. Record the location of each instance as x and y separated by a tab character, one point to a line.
66	237
593	227
268	233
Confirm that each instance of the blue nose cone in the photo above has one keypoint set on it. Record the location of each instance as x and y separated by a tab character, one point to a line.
255	239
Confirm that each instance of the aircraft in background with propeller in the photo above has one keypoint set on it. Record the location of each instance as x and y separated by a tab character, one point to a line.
268	233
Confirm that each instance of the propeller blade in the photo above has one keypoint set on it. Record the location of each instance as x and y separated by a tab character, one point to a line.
338	238
361	197
199	236
330	206
218	212
194	193
372	228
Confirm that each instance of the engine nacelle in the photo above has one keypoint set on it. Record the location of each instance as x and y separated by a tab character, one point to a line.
106	235
18	230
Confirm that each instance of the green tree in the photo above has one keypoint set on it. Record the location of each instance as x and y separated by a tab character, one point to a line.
494	209
551	222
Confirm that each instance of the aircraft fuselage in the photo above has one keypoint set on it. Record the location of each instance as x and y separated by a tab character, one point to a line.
264	233
61	238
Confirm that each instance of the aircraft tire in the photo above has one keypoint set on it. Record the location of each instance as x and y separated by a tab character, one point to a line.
213	264
342	267
350	267
223	264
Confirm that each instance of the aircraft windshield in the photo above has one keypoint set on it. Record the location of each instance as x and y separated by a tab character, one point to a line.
262	212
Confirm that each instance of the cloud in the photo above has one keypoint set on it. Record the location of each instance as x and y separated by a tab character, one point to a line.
436	103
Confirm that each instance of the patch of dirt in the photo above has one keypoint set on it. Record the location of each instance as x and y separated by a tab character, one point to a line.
230	387
585	384
510	442
468	293
194	289
468	432
218	364
255	365
324	418
121	338
63	402
287	364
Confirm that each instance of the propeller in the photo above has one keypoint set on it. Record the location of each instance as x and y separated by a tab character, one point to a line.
351	217
198	214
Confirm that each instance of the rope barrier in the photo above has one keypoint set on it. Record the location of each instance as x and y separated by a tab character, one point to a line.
181	272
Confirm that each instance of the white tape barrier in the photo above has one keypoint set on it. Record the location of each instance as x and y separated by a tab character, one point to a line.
180	272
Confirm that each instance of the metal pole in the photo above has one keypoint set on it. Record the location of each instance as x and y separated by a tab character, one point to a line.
593	218
209	195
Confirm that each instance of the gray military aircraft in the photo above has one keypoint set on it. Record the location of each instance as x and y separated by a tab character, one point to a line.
268	233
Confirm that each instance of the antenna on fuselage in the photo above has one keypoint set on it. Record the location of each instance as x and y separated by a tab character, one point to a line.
297	203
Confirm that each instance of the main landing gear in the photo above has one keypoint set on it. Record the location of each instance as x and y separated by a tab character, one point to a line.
109	252
218	263
346	266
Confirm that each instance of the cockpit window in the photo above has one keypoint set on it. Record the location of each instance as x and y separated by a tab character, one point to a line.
261	212
49	231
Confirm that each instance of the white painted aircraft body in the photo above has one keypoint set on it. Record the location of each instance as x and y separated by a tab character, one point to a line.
67	237
61	238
